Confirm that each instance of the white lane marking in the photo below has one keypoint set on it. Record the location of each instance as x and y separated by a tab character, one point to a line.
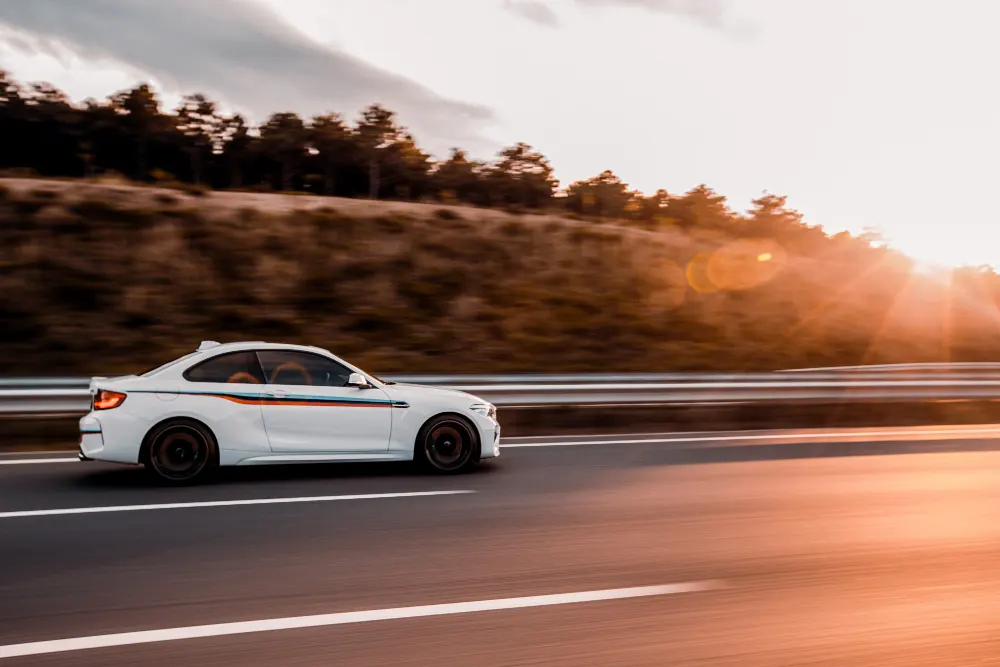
872	435
224	503
25	462
620	435
716	435
343	618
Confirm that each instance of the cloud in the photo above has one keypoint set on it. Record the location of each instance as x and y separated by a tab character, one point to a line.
244	54
706	12
533	10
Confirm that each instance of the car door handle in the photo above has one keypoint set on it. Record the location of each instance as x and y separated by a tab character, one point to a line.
277	393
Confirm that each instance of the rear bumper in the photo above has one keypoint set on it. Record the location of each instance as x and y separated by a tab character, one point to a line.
108	438
91	439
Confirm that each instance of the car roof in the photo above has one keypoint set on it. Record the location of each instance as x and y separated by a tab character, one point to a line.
235	346
214	349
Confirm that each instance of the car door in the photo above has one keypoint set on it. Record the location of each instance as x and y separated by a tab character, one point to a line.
225	392
308	406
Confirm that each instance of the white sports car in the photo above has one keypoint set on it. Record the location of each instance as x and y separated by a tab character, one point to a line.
264	403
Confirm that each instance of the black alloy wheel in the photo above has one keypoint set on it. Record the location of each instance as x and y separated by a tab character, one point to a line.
447	445
181	453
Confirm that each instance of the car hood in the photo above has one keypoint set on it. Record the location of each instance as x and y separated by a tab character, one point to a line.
406	389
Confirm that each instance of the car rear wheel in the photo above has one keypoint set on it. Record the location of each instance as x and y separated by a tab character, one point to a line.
447	445
181	453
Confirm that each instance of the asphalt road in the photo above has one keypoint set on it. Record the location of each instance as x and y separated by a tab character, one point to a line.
827	560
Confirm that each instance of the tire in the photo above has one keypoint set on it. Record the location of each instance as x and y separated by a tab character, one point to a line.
180	453
447	445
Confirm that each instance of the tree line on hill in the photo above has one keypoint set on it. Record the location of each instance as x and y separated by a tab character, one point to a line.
130	133
44	133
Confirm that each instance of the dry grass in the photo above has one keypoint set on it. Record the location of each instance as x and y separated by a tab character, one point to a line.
103	278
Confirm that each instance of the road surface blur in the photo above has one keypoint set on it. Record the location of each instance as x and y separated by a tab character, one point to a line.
873	560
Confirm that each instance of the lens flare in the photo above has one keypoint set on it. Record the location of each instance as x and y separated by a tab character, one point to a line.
697	274
745	264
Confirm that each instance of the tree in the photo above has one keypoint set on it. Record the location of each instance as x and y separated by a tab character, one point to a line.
237	146
330	138
284	140
770	217
604	196
652	209
202	129
140	107
700	208
375	132
12	119
104	136
524	177
10	91
459	178
406	167
43	128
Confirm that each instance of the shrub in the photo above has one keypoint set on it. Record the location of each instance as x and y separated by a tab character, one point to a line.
195	190
586	234
248	214
391	224
61	221
103	211
447	214
162	176
28	207
512	228
45	195
19	172
111	177
165	199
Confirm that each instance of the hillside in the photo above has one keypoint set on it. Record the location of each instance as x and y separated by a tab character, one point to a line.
115	278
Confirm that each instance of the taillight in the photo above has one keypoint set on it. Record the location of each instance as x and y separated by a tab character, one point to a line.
105	400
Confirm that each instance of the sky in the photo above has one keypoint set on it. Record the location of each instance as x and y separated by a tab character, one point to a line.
875	114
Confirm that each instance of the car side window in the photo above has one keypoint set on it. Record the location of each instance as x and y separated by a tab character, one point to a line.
302	369
232	368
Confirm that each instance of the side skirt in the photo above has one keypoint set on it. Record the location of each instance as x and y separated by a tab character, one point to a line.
319	457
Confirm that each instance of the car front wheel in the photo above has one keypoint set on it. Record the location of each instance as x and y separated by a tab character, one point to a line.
447	445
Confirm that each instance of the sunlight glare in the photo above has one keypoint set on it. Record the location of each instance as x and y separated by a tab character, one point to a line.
928	268
935	250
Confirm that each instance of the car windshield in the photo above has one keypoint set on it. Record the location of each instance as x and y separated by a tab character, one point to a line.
157	369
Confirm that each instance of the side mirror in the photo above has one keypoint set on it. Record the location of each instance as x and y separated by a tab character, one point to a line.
358	381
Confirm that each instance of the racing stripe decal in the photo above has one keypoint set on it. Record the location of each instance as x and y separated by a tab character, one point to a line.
288	400
300	401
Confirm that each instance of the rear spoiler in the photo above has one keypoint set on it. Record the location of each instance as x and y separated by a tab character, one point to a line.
100	381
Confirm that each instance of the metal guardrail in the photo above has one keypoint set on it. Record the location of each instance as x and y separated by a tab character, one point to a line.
910	382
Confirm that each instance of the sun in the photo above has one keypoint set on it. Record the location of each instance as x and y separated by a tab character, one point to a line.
937	252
